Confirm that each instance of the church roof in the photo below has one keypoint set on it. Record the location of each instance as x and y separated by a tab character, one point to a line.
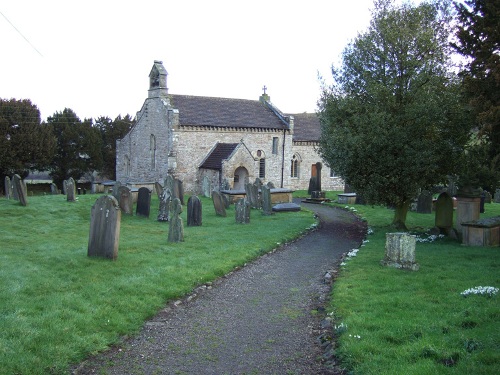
224	112
306	127
220	152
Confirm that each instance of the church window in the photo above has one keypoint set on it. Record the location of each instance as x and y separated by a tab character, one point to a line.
152	151
332	173
275	145
294	167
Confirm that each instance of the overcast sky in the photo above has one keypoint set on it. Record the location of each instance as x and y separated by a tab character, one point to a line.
94	56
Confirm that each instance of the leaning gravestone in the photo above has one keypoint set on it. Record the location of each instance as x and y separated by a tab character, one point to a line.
176	228
267	206
143	202
424	202
8	187
53	189
125	200
104	234
220	209
15	194
242	211
400	251
194	211
70	190
444	213
20	189
164	208
206	186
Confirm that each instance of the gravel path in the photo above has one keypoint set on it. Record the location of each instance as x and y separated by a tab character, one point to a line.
260	319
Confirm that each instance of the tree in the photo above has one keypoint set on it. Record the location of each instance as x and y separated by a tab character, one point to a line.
111	131
25	143
478	39
78	149
392	122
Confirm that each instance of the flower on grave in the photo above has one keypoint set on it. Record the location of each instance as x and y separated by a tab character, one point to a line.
369	231
488	291
429	239
355	336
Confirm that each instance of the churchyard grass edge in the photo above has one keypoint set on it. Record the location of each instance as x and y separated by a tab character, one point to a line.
57	306
391	321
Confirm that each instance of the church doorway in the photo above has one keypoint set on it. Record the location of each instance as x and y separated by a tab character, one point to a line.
240	177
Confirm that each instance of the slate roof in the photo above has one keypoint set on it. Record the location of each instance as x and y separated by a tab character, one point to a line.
306	127
220	152
224	112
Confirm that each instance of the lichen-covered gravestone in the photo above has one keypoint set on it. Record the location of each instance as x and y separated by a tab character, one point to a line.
400	251
70	190
104	234
176	229
242	211
126	200
143	202
267	206
194	211
220	209
164	208
20	189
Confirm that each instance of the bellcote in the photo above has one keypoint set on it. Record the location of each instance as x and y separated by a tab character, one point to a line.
158	81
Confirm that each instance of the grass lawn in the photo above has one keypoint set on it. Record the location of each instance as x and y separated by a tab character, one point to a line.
58	306
391	321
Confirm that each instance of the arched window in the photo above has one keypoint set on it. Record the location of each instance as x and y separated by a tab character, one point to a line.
152	151
294	170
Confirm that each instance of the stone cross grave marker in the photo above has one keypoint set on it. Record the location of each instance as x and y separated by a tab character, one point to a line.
267	206
176	228
424	202
143	202
20	188
242	211
400	251
164	207
125	201
104	233
206	187
70	190
444	213
220	209
194	211
8	188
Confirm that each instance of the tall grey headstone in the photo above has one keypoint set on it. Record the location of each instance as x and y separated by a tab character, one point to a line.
444	213
194	211
8	188
424	202
176	228
126	201
164	207
143	202
65	187
267	206
179	190
242	211
104	234
206	186
20	188
70	190
220	209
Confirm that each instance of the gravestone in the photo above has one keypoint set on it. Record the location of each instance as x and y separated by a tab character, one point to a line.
164	208
20	188
242	211
194	211
487	197
116	187
15	194
104	234
176	228
225	185
467	210
143	202
125	200
225	200
169	184
53	189
270	185
8	188
400	251
267	206
220	209
65	187
497	196
424	202
444	213
286	207
250	194
70	190
179	190
158	189
206	186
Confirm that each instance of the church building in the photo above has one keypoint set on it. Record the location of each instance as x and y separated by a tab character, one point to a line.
232	141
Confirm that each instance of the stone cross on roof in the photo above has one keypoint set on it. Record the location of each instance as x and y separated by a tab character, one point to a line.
264	89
